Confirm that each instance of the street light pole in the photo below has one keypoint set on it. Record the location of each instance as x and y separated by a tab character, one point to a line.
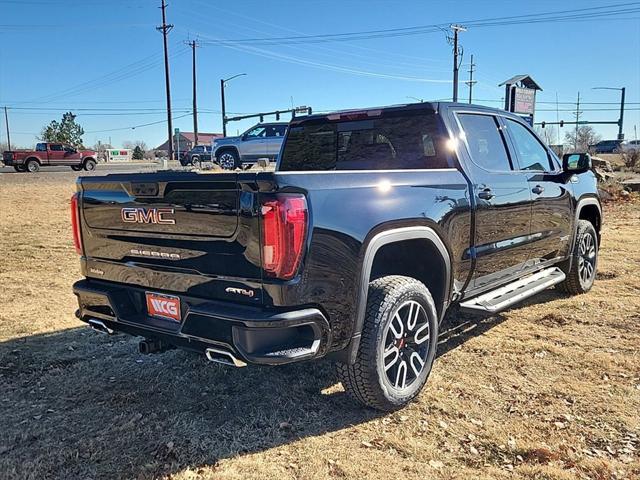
224	109
621	119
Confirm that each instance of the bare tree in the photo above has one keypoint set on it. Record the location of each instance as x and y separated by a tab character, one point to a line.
586	136
131	145
548	134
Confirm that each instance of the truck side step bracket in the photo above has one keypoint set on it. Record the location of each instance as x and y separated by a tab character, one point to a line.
504	297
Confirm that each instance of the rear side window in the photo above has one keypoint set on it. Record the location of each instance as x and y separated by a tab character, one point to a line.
386	143
531	154
56	148
485	141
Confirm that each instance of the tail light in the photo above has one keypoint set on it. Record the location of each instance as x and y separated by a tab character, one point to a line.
284	231
75	224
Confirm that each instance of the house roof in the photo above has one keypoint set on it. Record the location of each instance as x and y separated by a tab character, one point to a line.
202	137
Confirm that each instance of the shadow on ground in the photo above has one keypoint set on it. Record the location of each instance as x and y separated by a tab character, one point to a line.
77	404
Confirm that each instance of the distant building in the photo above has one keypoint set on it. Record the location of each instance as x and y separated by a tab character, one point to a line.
184	141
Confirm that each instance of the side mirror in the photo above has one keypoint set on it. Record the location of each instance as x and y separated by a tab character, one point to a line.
576	162
243	137
263	162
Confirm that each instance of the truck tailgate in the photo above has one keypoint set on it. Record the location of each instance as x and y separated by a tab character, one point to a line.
178	231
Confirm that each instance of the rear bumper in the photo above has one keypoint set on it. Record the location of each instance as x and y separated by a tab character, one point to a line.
251	334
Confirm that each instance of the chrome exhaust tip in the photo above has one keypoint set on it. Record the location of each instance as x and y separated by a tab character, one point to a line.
224	357
99	326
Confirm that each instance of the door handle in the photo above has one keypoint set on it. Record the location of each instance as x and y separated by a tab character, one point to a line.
537	189
486	194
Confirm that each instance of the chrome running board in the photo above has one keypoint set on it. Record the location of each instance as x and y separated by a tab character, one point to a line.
504	297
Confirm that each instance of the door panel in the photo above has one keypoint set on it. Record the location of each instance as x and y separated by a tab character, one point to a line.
503	202
56	154
254	144
275	136
551	210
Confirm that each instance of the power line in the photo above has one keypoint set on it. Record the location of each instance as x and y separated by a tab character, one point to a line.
133	127
553	16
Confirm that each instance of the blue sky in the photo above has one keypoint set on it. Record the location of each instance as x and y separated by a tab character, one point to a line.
98	57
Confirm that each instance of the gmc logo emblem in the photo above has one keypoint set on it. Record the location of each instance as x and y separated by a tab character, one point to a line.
147	215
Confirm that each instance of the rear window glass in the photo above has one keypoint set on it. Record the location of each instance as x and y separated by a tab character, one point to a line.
386	143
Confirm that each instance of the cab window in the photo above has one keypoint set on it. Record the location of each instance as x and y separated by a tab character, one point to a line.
532	155
257	132
485	142
56	147
41	147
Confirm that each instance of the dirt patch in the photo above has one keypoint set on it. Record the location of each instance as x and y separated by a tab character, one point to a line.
549	389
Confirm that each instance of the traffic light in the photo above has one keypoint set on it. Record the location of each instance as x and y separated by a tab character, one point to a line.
561	123
543	124
277	116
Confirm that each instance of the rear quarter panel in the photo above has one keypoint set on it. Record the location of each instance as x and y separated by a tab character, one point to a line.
346	209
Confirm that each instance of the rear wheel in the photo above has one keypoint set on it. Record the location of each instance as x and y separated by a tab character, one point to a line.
89	164
32	166
398	344
228	159
581	275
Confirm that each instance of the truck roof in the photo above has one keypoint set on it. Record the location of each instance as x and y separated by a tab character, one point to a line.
430	107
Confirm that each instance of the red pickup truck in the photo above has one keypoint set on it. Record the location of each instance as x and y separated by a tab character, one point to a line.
49	154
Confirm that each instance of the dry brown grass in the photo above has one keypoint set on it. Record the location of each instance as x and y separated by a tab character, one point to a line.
548	390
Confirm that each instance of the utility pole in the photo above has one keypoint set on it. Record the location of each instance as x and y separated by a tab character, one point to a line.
193	44
620	132
224	113
165	29
471	81
456	29
6	122
577	113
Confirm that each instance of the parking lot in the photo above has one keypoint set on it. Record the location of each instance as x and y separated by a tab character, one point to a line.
549	389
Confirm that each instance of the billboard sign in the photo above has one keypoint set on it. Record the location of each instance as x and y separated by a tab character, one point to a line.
524	100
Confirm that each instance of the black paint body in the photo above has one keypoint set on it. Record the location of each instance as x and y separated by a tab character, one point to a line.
217	235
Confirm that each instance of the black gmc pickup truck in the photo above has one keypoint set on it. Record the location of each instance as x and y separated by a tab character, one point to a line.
373	225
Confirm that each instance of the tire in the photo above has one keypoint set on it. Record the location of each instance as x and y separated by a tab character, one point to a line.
32	166
394	304
76	168
195	161
89	164
20	168
584	262
228	159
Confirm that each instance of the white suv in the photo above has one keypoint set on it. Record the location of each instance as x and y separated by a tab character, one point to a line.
260	141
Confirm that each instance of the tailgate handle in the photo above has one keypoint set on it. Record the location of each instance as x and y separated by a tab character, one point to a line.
144	189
